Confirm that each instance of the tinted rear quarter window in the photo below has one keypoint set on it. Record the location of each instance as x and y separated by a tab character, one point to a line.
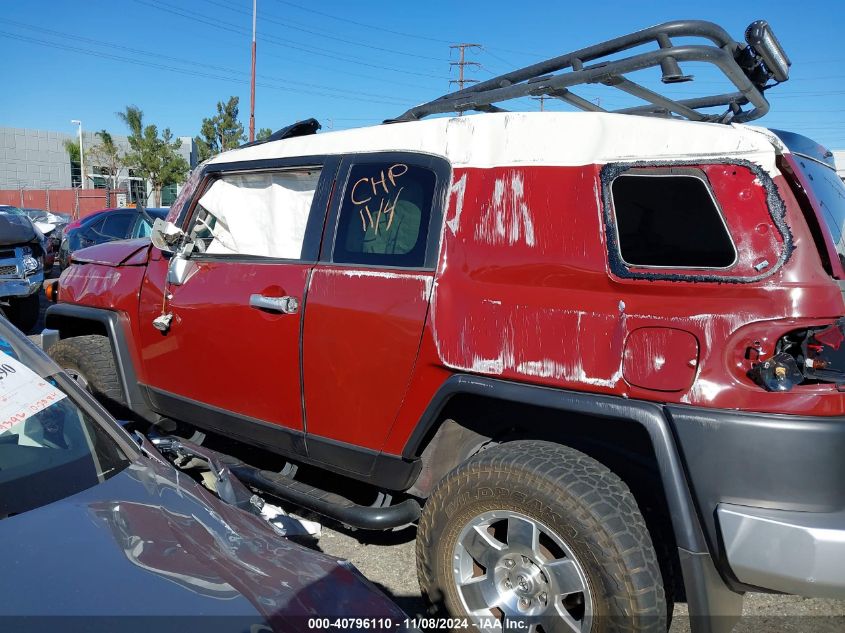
669	221
384	217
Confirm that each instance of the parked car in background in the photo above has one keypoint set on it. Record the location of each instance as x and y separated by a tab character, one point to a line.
99	521
47	245
23	254
49	223
107	225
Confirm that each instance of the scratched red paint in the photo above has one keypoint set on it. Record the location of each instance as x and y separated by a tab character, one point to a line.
523	291
550	313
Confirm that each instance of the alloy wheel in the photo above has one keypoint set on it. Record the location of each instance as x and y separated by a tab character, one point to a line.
511	567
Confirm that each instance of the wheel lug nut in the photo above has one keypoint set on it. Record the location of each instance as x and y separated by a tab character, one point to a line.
524	603
543	597
508	583
509	562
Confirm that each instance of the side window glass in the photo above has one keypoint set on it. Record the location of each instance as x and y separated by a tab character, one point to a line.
670	221
116	225
143	228
262	214
97	226
384	215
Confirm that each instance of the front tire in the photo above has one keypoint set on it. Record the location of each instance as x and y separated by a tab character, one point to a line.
541	534
89	360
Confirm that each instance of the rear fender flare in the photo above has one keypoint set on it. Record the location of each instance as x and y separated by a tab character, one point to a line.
650	416
707	592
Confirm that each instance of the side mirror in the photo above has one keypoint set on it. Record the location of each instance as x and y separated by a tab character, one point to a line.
165	235
180	269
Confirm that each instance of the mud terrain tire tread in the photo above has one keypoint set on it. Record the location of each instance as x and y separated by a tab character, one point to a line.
607	530
91	355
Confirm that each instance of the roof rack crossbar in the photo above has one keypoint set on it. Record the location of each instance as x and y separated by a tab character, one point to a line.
699	102
742	65
579	102
632	88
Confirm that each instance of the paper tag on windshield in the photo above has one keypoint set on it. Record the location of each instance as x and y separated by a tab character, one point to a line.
23	393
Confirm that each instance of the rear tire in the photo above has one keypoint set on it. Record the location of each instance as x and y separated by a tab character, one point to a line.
23	312
89	360
539	533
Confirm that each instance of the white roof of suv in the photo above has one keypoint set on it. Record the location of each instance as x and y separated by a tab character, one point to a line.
533	138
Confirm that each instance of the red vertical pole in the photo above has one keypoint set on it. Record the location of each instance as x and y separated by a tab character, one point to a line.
252	81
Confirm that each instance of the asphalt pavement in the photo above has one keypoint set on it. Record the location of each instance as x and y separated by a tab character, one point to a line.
388	560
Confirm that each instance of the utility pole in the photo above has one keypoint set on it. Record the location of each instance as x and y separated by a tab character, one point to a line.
252	79
462	63
542	100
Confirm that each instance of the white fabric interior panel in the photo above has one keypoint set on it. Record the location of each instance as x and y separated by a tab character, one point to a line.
262	214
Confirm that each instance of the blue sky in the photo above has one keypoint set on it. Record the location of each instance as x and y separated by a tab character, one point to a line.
356	63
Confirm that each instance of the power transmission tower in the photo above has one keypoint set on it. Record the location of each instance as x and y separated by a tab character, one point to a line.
461	64
542	100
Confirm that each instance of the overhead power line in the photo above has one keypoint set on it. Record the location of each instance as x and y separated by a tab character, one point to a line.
512	51
195	73
398	33
363	24
312	50
290	25
189	62
344	71
195	63
497	58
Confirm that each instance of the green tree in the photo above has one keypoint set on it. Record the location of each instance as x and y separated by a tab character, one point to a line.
72	148
220	132
263	134
153	156
108	156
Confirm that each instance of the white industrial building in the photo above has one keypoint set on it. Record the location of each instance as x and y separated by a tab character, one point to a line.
37	159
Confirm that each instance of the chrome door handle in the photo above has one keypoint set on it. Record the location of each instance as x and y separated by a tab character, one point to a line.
285	305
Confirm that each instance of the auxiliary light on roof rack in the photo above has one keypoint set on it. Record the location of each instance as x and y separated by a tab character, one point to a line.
749	67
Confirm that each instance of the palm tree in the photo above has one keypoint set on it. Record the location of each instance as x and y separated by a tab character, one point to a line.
134	119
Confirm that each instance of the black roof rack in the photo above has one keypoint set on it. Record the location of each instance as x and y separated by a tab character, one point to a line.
749	67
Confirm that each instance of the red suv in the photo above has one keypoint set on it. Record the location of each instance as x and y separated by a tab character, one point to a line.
598	355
